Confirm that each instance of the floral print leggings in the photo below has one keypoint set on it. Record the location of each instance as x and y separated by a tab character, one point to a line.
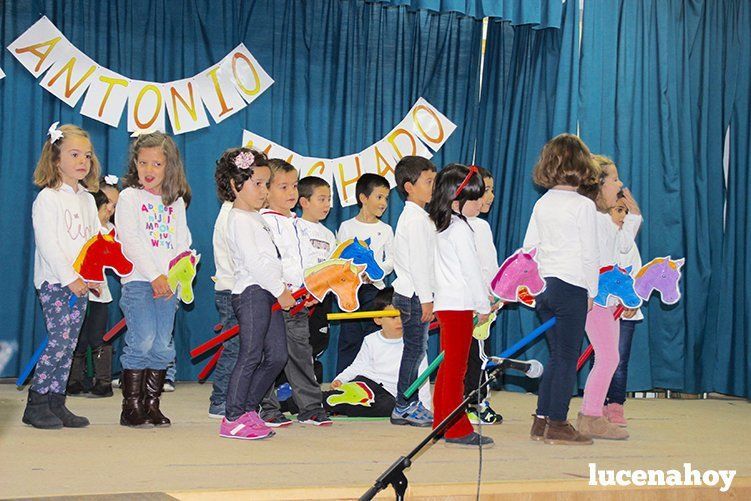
63	325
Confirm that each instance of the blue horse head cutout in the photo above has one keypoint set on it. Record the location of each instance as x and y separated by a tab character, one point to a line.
618	283
360	253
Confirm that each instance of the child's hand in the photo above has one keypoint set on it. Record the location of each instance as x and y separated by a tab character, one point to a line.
629	312
78	287
495	304
95	288
427	312
335	384
310	301
161	287
590	303
630	201
286	300
482	318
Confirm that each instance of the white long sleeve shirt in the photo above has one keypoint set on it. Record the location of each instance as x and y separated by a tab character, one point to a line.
459	284
379	359
613	241
152	233
224	278
631	257
317	242
63	221
285	237
486	250
563	228
414	246
255	257
381	242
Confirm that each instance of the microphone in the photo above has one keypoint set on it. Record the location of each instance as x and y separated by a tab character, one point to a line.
531	368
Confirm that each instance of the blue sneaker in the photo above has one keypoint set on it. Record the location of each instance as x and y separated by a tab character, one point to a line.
413	415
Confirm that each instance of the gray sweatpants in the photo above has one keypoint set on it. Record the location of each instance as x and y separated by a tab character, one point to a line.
299	370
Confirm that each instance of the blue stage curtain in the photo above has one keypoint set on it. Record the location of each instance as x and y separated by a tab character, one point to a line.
655	96
530	83
345	73
539	13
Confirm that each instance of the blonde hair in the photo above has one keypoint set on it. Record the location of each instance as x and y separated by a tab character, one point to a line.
47	172
591	189
565	160
175	183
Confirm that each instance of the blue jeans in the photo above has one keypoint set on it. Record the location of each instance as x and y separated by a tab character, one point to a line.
228	358
148	340
617	390
263	350
415	335
568	304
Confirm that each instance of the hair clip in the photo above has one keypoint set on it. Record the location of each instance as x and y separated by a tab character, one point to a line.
472	170
54	133
111	180
245	160
143	132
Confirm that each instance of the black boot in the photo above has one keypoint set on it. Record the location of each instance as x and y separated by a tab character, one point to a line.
134	412
75	380
38	413
152	387
70	420
102	357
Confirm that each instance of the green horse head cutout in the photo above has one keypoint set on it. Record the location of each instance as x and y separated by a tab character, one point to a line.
182	271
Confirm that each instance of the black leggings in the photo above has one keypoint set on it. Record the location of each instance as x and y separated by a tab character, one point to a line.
94	327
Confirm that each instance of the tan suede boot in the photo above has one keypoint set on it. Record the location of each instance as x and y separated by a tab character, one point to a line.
600	427
538	427
562	433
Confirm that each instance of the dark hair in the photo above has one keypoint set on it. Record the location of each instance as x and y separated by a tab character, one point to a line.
565	160
227	171
382	299
484	173
307	185
367	183
278	165
446	183
409	169
100	198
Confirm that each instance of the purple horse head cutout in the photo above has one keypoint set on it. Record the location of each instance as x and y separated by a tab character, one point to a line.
663	275
517	271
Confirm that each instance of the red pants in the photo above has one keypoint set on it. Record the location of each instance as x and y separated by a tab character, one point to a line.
456	337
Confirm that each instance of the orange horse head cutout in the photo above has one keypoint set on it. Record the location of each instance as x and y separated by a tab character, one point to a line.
339	276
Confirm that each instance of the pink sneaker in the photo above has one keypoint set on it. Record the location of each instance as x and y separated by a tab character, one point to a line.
614	413
244	429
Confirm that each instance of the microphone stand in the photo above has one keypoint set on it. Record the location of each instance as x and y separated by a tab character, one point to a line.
394	474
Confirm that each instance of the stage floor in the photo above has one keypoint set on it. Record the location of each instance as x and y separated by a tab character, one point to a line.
190	461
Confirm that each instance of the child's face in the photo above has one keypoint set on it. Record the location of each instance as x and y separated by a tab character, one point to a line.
255	191
283	191
610	188
317	207
377	202
391	326
471	207
619	213
489	196
151	164
421	192
106	210
75	160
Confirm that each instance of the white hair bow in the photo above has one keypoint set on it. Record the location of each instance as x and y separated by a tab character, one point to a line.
111	180
54	133
143	132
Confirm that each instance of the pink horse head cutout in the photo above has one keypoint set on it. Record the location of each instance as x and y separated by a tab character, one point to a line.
518	272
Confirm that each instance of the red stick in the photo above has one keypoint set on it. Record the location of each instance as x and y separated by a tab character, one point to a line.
210	365
114	330
588	352
214	341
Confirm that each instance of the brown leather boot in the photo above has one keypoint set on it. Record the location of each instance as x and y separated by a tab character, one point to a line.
538	427
134	411
600	427
152	387
562	433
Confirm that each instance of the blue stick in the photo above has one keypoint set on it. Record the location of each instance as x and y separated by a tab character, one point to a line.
527	339
30	366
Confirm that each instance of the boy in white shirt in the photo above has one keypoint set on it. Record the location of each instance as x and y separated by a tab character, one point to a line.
414	245
377	366
478	353
316	245
372	192
306	391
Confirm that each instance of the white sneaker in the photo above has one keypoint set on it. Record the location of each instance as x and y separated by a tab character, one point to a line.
116	382
169	386
216	416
